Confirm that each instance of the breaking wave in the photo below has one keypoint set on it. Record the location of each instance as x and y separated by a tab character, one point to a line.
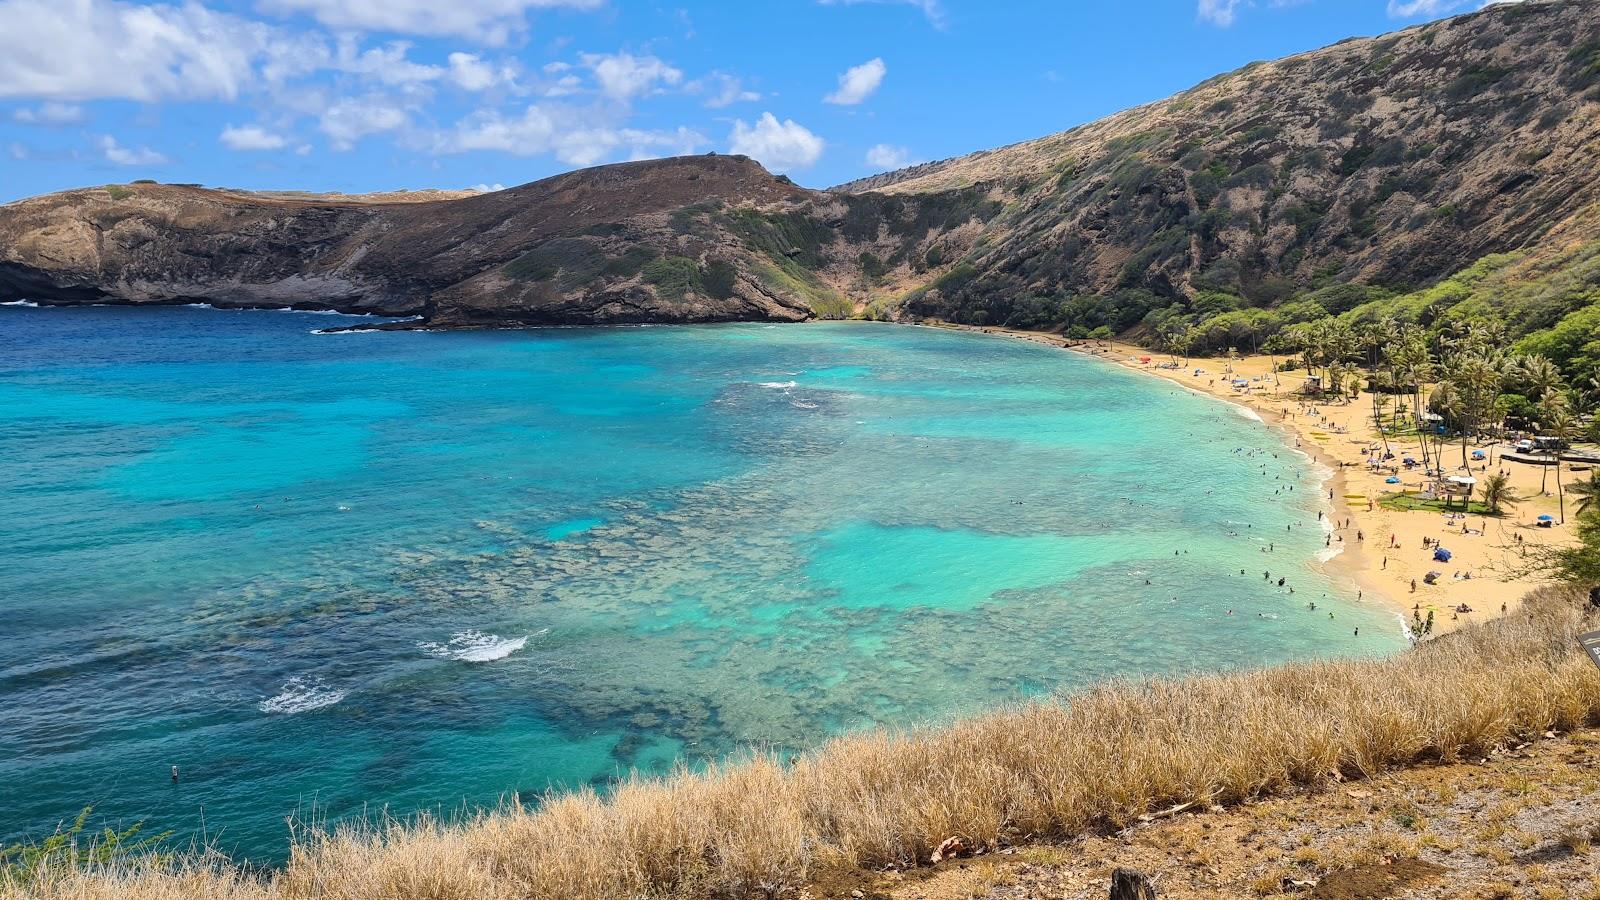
301	694
475	646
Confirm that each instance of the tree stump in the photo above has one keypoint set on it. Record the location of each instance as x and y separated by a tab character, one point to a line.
1130	884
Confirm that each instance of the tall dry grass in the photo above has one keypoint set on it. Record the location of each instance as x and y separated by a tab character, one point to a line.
1096	759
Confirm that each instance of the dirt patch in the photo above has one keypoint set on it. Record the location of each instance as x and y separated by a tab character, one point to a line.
842	883
1375	882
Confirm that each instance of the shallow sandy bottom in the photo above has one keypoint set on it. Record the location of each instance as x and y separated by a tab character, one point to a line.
1382	550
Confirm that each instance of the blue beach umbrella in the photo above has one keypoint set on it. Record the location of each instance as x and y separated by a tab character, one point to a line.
1441	555
1547	518
1391	480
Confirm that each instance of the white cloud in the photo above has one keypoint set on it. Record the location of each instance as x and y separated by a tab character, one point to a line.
577	136
386	65
887	157
88	49
470	73
127	156
1219	12
1409	9
564	86
489	21
721	89
350	120
623	76
51	113
1224	13
250	137
482	188
858	83
780	146
932	9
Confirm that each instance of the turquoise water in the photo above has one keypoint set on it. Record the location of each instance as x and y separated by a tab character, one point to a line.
332	573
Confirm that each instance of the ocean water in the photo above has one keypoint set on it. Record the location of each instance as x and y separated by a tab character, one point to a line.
332	574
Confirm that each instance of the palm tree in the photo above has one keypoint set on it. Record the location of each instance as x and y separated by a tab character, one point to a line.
1497	492
1379	404
1562	422
1174	335
1539	375
1184	342
1476	376
1412	359
1380	340
1542	379
1587	493
1445	400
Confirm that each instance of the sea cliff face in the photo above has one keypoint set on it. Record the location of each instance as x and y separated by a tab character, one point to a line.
1392	161
508	257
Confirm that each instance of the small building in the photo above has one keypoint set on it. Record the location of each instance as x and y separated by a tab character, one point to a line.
1458	487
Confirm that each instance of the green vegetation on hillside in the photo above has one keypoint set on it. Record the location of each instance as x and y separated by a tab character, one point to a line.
1541	304
676	277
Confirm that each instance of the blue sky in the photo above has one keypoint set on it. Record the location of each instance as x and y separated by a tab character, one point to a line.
358	95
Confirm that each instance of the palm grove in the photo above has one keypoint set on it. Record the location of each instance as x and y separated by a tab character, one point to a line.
1449	387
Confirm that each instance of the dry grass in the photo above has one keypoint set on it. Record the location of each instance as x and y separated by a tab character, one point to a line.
1094	760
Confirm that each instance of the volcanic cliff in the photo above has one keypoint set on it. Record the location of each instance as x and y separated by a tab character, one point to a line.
1391	161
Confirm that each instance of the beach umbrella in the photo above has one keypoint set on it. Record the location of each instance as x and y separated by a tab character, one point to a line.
1441	555
1547	518
1391	480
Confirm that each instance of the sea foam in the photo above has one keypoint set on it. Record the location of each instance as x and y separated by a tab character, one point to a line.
301	694
475	646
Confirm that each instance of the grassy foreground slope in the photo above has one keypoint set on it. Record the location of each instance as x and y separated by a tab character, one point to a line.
1518	824
1099	759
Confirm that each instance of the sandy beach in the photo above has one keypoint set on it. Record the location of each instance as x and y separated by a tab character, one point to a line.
1382	557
